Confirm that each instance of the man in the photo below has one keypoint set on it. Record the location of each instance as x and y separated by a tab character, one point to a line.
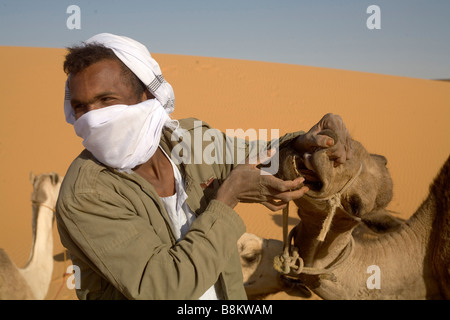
138	225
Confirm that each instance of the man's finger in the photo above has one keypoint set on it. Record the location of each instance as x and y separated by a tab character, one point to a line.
323	141
274	183
274	206
291	195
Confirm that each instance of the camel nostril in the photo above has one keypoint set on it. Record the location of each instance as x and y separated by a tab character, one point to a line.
249	283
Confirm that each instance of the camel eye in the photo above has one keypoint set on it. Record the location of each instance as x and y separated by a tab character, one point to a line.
356	205
251	258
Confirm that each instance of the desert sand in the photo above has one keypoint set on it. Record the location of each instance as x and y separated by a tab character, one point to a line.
405	119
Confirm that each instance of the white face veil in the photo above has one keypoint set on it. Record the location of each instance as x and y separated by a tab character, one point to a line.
122	136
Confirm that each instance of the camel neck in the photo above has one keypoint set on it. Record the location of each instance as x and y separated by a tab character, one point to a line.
39	267
397	256
320	254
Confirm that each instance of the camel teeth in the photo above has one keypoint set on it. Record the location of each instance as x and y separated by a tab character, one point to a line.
294	165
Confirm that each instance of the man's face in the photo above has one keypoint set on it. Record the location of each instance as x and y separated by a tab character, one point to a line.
100	85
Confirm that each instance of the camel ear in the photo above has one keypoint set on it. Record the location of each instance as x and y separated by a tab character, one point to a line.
385	189
382	160
55	178
32	177
381	221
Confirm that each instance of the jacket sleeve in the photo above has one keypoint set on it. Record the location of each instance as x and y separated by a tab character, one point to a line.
230	147
128	252
257	149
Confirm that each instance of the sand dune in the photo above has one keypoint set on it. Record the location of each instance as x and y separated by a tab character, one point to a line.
405	119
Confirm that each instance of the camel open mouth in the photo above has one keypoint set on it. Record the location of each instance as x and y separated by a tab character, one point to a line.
312	180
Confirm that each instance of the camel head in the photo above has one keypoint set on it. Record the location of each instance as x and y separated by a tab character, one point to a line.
260	278
45	189
45	194
363	182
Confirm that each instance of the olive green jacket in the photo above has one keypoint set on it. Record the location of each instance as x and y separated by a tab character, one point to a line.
120	236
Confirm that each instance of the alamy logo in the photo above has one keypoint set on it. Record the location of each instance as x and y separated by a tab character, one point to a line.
374	280
74	280
74	20
374	21
211	146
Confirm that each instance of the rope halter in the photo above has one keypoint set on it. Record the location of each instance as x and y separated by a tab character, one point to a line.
40	204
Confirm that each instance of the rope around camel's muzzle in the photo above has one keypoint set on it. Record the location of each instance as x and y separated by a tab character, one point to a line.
290	262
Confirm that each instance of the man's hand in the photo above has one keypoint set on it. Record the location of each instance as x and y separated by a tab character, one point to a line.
247	183
339	146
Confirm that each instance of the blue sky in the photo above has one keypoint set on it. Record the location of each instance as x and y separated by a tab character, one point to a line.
414	39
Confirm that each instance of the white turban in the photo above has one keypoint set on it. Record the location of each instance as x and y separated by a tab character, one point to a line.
123	136
139	60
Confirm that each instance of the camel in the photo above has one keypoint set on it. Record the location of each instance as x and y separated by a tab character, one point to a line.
344	251
259	276
32	281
